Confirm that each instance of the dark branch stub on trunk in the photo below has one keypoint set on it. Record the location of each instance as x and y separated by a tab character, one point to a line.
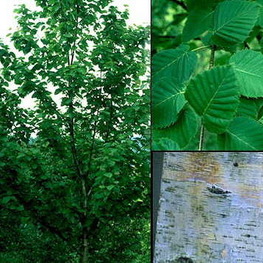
184	260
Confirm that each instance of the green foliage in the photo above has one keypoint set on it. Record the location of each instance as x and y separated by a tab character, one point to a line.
248	108
214	96
233	21
248	68
75	168
181	133
168	101
243	133
224	100
199	20
165	143
177	63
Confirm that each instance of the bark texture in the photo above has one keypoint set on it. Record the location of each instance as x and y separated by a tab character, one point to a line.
201	226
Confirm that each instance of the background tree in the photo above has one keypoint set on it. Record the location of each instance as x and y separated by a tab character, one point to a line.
75	169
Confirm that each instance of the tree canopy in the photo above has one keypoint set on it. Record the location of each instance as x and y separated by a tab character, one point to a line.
75	168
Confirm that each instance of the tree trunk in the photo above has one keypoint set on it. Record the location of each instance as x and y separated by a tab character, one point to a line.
197	225
81	176
157	174
84	258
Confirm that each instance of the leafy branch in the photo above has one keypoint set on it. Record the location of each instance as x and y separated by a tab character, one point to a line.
199	109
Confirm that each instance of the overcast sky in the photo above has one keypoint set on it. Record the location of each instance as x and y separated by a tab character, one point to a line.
139	12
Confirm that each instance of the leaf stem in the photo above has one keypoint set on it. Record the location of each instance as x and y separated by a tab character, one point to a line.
211	65
212	57
200	48
201	140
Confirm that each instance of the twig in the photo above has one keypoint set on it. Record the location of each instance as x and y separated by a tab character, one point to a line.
200	48
201	140
246	45
212	57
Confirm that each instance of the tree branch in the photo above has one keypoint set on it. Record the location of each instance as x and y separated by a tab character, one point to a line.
246	45
70	59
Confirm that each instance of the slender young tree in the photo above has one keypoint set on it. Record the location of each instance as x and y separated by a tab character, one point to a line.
76	167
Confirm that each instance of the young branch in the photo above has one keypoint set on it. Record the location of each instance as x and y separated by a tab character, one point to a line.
246	45
200	48
201	138
70	59
75	155
212	57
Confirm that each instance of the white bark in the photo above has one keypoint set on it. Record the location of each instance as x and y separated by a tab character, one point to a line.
206	227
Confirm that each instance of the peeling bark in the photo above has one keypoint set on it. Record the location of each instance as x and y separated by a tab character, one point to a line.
196	224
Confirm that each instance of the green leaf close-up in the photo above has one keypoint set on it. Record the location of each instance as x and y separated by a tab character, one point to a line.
248	68
215	52
234	20
178	64
182	132
243	133
248	108
168	100
214	95
197	23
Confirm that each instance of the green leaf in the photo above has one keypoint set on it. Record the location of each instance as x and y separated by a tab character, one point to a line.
110	187
233	21
182	132
243	134
248	68
259	103
57	91
197	23
176	63
165	144
6	199
247	108
168	101
201	4
214	96
260	17
109	175
66	101
260	113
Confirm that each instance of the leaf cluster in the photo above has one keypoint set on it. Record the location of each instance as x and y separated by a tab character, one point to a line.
219	108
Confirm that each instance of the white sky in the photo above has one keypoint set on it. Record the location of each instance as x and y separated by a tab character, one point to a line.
139	12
